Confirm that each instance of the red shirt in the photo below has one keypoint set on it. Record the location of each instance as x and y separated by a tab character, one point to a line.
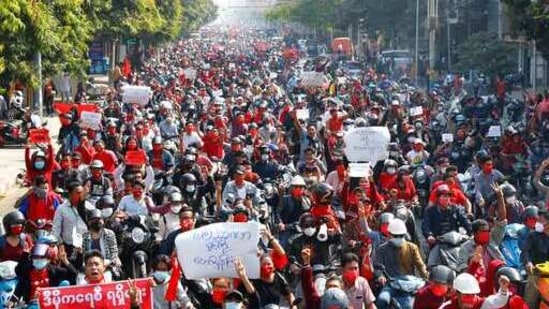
457	198
87	153
425	299
406	193
213	148
454	305
48	169
41	208
109	160
335	124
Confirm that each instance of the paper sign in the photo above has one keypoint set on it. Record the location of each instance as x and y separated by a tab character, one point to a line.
416	111
367	144
39	136
314	79
210	251
302	113
494	131
190	73
135	157
136	94
447	138
89	120
359	169
113	295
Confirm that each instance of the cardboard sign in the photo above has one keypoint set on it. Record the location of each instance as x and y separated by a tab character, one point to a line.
39	136
314	79
416	111
136	94
302	113
90	120
135	157
359	169
447	138
494	131
210	251
109	295
367	144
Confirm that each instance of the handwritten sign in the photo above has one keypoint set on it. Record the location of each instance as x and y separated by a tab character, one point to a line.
109	295
135	157
416	111
359	169
367	144
302	113
39	136
90	120
494	131
210	251
314	79
447	138
136	94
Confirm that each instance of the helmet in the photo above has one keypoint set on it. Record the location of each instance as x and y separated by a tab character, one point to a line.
176	197
480	155
106	201
386	217
12	218
443	189
397	227
322	190
96	164
94	214
508	190
157	140
442	274
510	273
40	250
306	217
394	147
298	181
390	163
466	283
334	298
188	178
40	154
530	212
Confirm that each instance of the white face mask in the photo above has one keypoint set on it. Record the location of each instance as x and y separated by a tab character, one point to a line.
391	170
176	209
539	227
106	212
264	157
310	231
232	305
511	200
398	242
189	188
411	139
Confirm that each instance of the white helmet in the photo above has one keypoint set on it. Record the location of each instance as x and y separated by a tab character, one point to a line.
298	181
466	283
397	227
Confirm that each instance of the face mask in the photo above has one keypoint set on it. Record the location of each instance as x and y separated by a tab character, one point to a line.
16	229
443	201
160	276
468	300
106	212
511	200
40	263
539	227
394	154
186	224
384	229
310	231
232	305
266	270
487	169
218	296
482	238
240	218
176	208
96	174
350	276
411	139
264	157
189	189
137	194
39	164
438	290
391	170
297	192
40	192
397	242
443	170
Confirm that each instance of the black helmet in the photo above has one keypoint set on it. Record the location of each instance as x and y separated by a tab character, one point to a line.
508	190
510	273
442	274
188	178
13	218
94	214
481	155
322	190
306	220
106	201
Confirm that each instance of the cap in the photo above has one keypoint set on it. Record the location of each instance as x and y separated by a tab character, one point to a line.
234	295
443	189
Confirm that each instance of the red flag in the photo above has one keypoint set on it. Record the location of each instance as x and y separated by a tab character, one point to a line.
171	292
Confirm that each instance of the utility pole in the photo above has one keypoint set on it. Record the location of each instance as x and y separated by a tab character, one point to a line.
432	8
416	54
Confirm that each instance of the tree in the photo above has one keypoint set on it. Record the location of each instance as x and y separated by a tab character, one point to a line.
483	51
196	13
532	19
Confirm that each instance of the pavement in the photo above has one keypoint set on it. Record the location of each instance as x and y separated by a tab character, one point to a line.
12	163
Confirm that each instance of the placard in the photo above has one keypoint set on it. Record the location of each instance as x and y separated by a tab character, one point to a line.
416	111
135	157
189	73
302	113
494	131
210	251
113	295
62	107
89	120
39	136
359	169
367	144
314	79
136	94
447	138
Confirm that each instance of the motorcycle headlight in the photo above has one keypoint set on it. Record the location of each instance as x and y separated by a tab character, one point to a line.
138	235
421	177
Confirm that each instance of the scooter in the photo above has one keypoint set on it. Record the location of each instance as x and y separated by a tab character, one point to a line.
8	282
137	240
405	288
449	246
12	133
510	246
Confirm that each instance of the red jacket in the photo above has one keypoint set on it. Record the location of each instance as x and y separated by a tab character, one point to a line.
87	153
312	297
47	171
41	208
425	299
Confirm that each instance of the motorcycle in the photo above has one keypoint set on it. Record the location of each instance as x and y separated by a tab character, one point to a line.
510	246
12	133
8	282
422	180
405	288
138	245
402	211
543	284
449	246
161	181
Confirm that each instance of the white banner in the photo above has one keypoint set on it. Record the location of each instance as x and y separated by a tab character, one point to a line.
494	131
302	113
314	79
447	137
136	94
90	120
359	169
210	251
367	144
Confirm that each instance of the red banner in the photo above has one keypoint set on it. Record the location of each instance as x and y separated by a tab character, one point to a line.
109	295
135	157
64	107
39	136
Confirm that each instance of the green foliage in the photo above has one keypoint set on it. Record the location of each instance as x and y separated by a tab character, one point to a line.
196	13
532	19
483	51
